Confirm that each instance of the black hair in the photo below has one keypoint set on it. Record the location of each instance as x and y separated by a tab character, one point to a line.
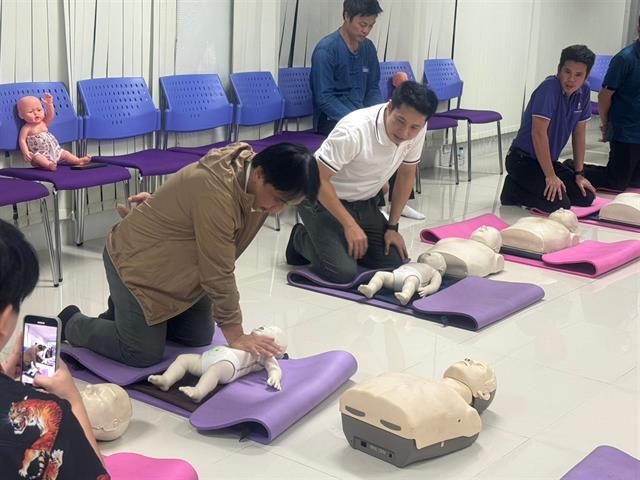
19	269
415	95
577	53
364	8
291	169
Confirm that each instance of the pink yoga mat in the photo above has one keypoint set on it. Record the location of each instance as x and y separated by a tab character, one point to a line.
581	212
588	259
628	190
132	466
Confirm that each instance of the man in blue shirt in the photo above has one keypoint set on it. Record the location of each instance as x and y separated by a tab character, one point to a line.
558	108
619	109
344	67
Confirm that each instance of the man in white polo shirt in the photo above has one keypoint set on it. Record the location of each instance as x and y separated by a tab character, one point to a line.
346	228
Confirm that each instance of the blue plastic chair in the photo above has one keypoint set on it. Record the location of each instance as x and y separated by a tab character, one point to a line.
387	70
67	128
118	108
442	77
295	88
258	102
596	77
193	103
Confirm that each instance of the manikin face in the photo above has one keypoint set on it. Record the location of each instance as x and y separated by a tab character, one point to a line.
267	198
403	123
434	260
30	109
572	75
489	236
478	376
358	27
274	332
109	409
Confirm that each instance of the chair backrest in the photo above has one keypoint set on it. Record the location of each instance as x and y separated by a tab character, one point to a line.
67	126
598	72
194	102
441	75
295	88
117	107
258	99
387	69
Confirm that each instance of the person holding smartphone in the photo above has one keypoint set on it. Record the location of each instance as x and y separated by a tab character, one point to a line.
51	410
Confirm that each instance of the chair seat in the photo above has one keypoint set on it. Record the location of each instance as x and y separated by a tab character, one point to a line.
64	178
471	116
309	139
440	123
13	190
594	108
200	151
151	162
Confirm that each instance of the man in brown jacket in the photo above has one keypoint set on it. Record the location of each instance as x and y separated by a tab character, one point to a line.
170	263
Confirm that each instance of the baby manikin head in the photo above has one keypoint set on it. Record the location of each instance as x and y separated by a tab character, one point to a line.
566	218
274	332
478	376
109	409
489	236
434	260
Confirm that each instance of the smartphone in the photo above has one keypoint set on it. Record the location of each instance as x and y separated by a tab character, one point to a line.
88	166
40	347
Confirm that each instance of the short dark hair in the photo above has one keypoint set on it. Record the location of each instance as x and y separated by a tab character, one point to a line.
577	53
417	96
19	269
365	8
291	169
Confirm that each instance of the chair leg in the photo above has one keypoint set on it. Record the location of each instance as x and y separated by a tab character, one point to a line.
418	184
79	207
56	221
454	151
500	149
277	226
126	193
468	151
47	235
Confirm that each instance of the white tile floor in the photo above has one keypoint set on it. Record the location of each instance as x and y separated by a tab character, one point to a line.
567	367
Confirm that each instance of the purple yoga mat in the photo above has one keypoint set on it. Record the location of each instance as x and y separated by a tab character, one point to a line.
605	463
588	259
471	303
248	404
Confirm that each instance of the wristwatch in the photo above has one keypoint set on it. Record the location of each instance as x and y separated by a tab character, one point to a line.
579	172
392	227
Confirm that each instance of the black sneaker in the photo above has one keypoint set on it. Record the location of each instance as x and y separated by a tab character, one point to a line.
64	316
291	255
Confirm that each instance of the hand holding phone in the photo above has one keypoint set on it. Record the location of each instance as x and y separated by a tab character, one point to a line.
40	347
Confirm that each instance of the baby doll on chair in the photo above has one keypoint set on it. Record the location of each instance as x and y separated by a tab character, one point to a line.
221	364
38	146
423	276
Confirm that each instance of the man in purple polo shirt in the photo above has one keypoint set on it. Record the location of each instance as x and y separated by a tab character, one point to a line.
558	108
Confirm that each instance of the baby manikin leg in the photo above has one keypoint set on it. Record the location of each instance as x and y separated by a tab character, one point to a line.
379	280
409	288
187	362
219	372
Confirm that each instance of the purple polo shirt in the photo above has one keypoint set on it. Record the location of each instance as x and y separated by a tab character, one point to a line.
564	112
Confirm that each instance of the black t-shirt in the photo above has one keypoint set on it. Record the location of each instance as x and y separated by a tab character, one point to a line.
40	437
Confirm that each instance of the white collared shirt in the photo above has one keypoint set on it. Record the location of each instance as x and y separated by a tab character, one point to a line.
363	156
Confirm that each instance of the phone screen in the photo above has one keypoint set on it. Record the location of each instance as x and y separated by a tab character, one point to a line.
39	347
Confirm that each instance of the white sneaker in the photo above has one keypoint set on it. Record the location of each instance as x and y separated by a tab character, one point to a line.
411	213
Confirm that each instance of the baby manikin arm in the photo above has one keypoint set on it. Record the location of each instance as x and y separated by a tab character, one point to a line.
433	285
274	372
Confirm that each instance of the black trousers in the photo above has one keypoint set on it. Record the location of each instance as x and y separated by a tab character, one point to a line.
525	184
622	170
323	243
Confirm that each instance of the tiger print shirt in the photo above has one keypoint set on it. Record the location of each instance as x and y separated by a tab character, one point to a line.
40	437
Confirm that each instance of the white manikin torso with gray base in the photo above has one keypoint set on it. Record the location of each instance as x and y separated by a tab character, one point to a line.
542	235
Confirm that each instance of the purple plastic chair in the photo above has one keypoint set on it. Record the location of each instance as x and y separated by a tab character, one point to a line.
118	108
442	77
258	102
67	127
13	191
193	103
596	77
